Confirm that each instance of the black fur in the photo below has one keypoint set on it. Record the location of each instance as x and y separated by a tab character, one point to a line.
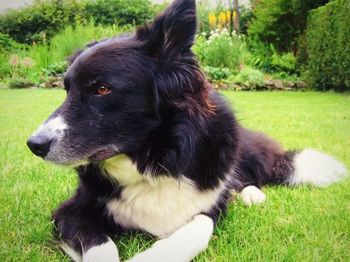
162	114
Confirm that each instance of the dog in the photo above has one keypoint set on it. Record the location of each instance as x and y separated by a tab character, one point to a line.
156	148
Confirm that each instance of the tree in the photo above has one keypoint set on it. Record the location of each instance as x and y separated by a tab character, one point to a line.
281	22
236	17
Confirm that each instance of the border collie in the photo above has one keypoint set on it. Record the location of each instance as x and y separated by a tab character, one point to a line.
156	148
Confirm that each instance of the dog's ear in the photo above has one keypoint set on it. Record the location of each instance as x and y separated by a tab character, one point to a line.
171	34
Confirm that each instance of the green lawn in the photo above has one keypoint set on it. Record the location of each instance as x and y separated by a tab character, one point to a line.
299	224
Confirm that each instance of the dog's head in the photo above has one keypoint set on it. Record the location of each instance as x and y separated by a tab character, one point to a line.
117	88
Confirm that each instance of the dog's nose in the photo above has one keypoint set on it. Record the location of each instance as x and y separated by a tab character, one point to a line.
39	145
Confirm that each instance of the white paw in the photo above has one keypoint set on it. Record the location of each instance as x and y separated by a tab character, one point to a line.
181	246
252	195
107	252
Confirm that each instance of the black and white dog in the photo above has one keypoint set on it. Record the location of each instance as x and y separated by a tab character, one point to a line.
156	148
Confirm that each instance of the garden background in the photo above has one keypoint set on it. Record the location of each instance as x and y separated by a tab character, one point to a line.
300	49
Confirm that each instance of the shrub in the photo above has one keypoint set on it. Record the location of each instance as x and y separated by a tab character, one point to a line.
219	50
18	83
328	46
283	63
42	20
5	68
266	58
249	77
262	54
7	46
119	12
56	68
7	43
217	73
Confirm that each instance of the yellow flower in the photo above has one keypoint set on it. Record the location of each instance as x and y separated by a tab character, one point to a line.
222	20
212	21
228	16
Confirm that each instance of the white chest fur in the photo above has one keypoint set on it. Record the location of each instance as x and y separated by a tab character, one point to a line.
157	205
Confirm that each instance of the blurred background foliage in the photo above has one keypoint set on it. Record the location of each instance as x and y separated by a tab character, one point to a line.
259	45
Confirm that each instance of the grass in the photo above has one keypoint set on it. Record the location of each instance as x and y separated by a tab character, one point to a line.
295	224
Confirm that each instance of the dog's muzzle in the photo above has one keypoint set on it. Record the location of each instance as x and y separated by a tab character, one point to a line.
46	135
39	145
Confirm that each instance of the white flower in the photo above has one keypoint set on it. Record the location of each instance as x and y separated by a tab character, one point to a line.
224	32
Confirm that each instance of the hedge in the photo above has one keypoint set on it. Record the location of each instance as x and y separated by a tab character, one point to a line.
119	12
328	46
41	20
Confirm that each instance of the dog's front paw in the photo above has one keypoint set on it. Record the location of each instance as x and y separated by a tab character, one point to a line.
252	195
106	252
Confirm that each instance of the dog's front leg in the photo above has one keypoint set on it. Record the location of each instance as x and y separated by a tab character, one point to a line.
82	234
102	252
183	245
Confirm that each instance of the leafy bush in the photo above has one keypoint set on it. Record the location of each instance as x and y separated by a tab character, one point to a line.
217	73
283	63
19	83
121	12
266	58
8	44
262	55
56	68
42	20
5	68
328	46
249	77
219	50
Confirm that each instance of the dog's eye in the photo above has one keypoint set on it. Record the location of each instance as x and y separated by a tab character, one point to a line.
103	90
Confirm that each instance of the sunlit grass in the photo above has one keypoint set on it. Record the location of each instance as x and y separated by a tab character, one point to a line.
303	224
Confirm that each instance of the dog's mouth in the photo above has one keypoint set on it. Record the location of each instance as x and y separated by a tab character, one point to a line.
102	155
63	156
